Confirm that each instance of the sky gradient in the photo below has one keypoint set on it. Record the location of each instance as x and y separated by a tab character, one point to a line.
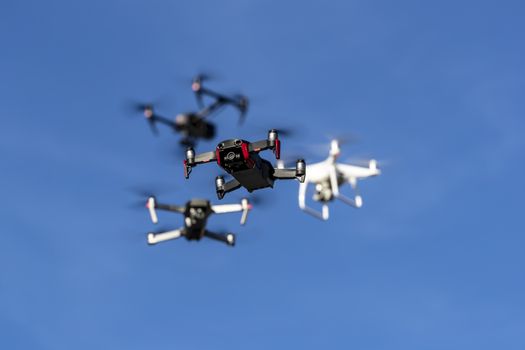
433	260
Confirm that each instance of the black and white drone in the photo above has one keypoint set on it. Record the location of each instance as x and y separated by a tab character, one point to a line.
328	175
196	213
240	159
194	125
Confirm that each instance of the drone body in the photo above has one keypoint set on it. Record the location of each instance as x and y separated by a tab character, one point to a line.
241	160
196	213
194	125
328	176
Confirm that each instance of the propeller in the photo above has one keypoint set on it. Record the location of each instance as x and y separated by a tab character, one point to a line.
323	149
144	192
342	137
242	105
288	132
366	162
196	86
260	131
148	111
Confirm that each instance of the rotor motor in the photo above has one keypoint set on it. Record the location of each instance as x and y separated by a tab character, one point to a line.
190	155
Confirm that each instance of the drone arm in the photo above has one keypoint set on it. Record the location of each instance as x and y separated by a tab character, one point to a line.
284	173
172	208
272	142
163	120
240	102
193	160
244	206
228	238
205	158
302	204
205	91
226	208
154	238
208	110
259	146
152	205
298	173
223	99
222	187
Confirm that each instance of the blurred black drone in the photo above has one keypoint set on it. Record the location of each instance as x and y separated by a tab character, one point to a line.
196	213
194	125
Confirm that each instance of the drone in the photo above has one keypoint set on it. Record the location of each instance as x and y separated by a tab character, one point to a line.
241	159
194	125
196	213
328	176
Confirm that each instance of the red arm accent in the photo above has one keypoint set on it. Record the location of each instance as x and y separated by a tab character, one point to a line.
277	149
217	155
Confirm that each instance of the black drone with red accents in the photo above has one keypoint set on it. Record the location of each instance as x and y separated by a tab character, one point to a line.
240	159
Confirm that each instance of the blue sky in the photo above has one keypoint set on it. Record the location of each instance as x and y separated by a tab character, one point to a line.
434	259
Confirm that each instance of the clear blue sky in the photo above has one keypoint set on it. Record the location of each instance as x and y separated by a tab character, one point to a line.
434	259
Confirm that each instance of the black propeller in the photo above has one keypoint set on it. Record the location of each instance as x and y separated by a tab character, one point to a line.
196	86
142	193
242	105
148	111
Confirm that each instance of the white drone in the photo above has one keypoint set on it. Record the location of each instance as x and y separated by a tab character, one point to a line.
328	176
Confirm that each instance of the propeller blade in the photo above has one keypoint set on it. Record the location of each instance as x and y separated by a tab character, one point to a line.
150	190
366	162
242	104
342	138
153	125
